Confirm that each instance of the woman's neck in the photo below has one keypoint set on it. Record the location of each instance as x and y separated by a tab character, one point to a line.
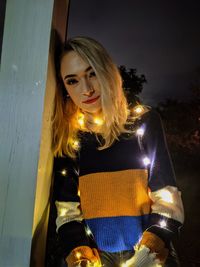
93	122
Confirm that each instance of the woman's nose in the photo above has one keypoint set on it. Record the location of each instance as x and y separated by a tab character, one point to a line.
88	89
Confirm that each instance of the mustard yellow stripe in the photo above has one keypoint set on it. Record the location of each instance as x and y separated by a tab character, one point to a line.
110	194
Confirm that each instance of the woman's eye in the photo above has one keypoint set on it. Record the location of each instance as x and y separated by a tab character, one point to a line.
92	74
71	81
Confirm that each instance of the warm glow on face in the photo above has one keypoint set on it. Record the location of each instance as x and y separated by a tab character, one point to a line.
81	82
166	196
124	265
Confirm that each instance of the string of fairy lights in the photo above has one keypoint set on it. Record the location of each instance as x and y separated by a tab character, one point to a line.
164	194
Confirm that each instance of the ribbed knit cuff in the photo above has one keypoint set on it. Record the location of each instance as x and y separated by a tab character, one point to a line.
155	244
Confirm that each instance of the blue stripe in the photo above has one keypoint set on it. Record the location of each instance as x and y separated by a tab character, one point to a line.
115	234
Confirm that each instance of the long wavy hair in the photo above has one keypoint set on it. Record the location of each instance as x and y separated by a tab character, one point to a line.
115	111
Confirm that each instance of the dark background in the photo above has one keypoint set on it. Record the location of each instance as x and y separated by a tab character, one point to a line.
161	39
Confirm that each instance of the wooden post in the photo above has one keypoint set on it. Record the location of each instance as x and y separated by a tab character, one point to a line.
27	85
44	175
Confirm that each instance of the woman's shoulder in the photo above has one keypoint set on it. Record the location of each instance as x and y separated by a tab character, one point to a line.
147	117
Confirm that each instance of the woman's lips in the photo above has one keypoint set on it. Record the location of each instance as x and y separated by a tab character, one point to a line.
92	100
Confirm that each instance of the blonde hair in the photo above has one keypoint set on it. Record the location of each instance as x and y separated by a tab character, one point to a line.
115	111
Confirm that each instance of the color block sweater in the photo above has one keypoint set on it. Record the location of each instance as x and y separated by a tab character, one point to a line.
109	198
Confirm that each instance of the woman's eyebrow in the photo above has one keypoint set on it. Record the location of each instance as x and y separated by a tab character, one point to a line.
74	75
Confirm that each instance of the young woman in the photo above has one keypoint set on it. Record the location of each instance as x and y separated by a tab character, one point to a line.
115	190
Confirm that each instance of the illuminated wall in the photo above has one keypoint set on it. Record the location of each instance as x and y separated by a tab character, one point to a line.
27	87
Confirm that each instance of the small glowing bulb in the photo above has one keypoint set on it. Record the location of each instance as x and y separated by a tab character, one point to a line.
78	255
75	144
140	131
146	161
81	119
138	109
166	196
98	121
88	231
79	193
64	172
163	223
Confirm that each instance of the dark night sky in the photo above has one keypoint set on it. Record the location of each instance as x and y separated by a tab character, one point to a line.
161	39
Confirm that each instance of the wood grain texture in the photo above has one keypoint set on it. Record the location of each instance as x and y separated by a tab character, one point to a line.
22	90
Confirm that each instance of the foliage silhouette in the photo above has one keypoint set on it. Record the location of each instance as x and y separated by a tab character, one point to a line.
132	84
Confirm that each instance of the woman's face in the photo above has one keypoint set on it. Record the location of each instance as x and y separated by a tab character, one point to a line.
81	82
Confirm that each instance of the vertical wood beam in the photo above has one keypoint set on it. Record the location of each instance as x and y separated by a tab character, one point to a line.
44	175
22	90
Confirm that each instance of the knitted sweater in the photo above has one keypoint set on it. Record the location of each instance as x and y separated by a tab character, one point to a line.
108	198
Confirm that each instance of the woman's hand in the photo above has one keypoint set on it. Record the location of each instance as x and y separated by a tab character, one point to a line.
143	258
149	252
83	256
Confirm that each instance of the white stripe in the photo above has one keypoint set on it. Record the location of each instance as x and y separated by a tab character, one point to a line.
67	212
167	202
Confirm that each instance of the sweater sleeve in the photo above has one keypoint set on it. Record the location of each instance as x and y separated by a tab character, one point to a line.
71	227
167	213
